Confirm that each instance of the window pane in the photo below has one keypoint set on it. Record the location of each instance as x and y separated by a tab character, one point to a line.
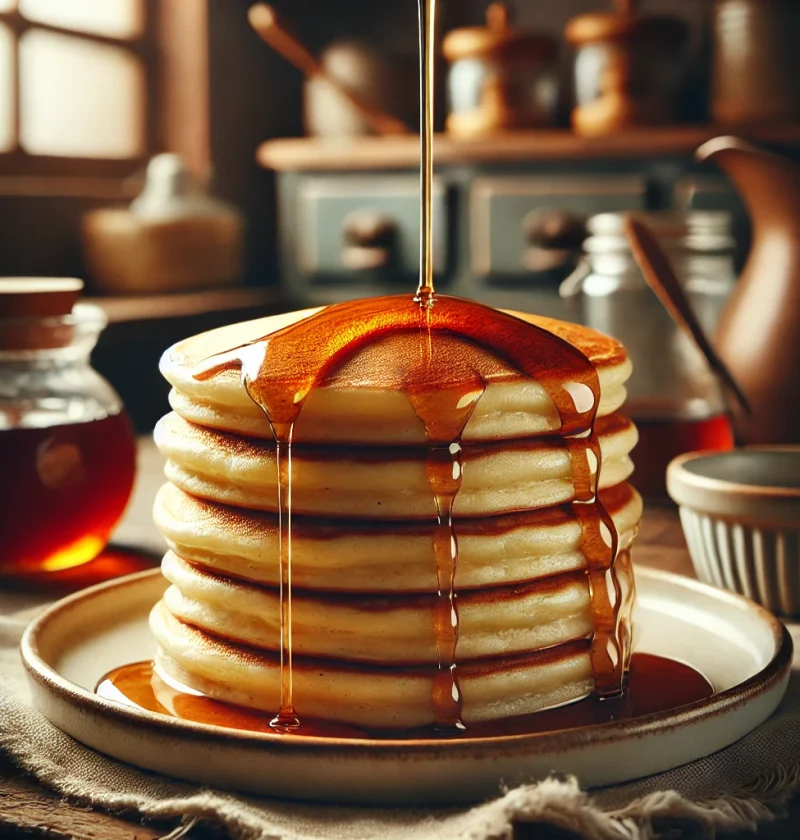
6	89
117	18
79	98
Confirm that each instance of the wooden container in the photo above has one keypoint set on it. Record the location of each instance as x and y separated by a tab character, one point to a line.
756	61
174	237
628	70
499	79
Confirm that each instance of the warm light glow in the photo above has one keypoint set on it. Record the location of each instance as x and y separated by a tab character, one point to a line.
7	5
79	98
80	552
116	18
6	88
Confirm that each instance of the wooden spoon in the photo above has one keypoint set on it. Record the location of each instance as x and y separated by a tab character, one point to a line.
660	277
273	31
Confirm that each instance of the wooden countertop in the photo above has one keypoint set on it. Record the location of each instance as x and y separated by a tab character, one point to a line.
29	811
402	152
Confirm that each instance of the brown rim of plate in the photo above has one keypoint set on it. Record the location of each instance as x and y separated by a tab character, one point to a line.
766	679
738	488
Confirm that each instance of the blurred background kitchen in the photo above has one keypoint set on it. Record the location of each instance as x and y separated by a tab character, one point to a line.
292	173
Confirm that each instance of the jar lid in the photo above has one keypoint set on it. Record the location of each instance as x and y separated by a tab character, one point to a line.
699	231
599	26
34	312
658	31
498	36
38	297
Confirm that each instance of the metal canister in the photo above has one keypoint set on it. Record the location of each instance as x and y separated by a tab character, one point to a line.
673	396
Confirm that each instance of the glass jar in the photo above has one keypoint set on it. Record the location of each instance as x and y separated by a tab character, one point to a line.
673	396
66	445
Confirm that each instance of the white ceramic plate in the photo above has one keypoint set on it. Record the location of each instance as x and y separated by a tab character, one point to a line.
742	649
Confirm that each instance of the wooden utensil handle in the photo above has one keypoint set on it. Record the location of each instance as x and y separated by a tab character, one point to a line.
661	278
271	29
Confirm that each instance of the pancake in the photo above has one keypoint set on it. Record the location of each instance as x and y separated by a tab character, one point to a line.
497	575
368	696
383	483
391	630
360	401
382	557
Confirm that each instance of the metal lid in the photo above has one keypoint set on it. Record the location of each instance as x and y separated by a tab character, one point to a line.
699	231
497	36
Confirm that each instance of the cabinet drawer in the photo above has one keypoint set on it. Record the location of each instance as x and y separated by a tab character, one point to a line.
504	212
352	225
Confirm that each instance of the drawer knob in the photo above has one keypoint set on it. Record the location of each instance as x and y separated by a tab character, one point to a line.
370	240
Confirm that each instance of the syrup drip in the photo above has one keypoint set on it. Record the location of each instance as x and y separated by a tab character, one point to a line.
445	414
286	717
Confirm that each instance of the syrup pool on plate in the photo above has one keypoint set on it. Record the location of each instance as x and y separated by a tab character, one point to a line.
654	684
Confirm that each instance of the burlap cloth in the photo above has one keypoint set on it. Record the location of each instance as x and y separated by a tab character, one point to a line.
735	789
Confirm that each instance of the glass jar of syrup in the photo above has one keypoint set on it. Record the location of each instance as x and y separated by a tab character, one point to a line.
673	396
66	445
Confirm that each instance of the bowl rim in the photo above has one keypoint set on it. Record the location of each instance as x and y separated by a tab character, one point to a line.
752	505
677	470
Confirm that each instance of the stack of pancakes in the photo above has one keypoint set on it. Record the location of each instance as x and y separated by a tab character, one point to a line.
363	570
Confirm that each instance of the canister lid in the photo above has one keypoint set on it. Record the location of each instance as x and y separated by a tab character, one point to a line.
498	36
599	26
38	297
34	312
658	31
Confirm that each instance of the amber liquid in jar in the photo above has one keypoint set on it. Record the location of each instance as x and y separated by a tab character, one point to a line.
662	440
62	490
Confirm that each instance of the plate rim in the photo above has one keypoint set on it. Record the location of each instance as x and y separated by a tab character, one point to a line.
762	682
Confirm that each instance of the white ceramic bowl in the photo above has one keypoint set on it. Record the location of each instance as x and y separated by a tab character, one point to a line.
740	512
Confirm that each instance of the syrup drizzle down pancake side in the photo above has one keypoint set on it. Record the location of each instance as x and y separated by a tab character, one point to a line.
281	370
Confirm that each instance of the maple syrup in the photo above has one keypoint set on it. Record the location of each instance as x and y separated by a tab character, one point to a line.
63	489
654	684
662	440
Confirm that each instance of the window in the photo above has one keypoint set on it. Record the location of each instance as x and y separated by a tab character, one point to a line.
76	86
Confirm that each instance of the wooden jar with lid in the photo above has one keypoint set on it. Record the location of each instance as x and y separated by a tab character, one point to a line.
499	79
628	69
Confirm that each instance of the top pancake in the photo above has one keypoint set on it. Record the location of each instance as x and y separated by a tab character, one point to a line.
361	401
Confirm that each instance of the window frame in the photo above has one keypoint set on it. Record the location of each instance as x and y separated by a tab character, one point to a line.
17	162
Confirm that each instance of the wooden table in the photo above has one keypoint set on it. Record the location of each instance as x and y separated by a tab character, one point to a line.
29	811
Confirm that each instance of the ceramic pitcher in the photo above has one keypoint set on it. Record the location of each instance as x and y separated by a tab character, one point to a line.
759	332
